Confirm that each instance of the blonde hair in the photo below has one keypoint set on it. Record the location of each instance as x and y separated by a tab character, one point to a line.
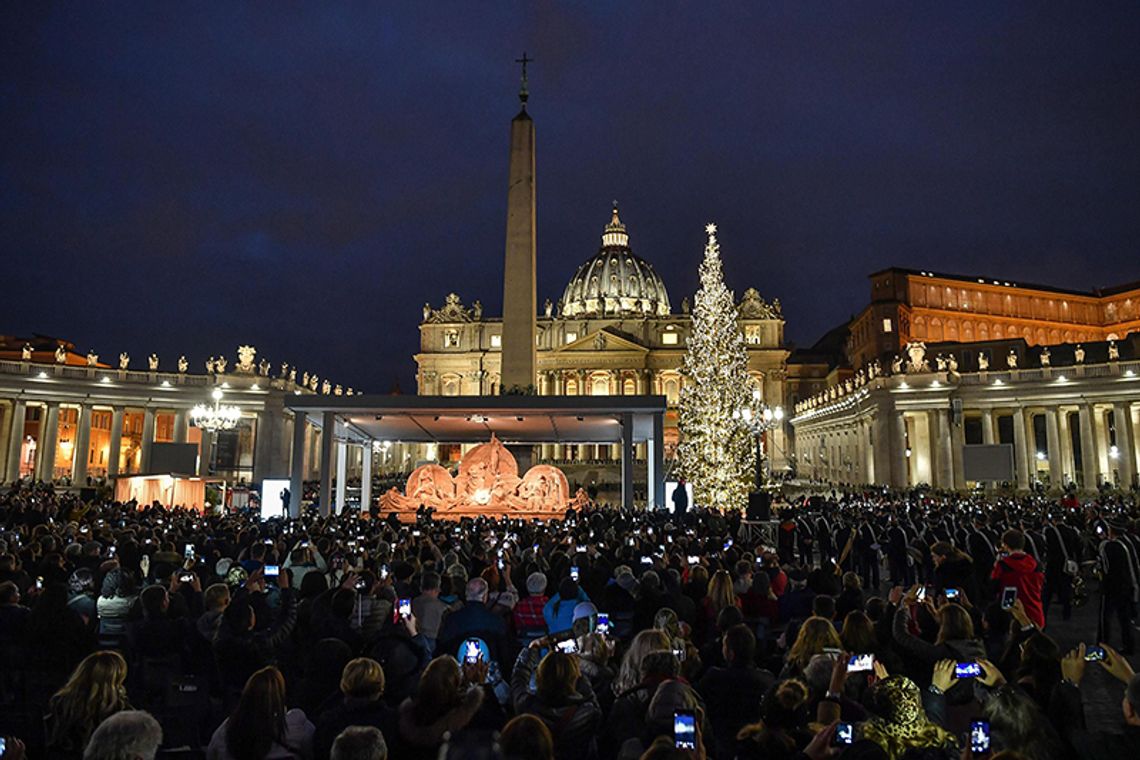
721	593
650	640
815	634
93	693
362	677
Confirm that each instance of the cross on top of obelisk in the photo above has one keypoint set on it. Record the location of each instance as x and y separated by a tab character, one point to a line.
522	89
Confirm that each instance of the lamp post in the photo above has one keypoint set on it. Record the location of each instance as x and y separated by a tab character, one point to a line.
758	418
216	418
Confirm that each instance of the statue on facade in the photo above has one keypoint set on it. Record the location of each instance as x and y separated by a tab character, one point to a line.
896	365
220	365
916	351
60	354
314	383
548	308
599	341
326	387
305	379
1011	359
263	368
183	365
477	310
952	364
92	359
124	360
940	363
348	392
1046	357
26	352
210	366
293	375
338	391
983	361
1113	351
246	355
848	386
427	311
1079	354
284	373
152	362
685	305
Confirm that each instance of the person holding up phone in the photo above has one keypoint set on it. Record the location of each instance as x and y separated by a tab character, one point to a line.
1019	570
956	638
563	699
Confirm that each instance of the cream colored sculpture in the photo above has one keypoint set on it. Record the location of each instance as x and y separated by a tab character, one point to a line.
152	362
124	360
183	365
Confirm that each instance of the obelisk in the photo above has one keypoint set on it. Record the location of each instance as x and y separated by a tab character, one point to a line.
519	299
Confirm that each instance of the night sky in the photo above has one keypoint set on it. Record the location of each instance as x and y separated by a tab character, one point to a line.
186	177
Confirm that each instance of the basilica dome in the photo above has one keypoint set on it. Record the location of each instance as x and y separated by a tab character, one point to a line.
615	282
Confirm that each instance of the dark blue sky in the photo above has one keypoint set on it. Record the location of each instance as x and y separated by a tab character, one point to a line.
187	177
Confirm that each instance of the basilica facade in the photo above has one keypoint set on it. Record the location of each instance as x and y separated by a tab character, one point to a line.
614	331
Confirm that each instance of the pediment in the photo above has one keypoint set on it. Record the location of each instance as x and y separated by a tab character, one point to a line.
602	340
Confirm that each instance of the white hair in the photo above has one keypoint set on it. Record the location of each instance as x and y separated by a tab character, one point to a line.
126	735
359	743
477	590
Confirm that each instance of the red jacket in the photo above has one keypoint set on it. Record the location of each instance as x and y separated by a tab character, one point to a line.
1020	571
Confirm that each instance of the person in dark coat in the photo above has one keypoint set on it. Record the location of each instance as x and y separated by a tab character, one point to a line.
1062	547
681	501
954	569
1099	745
240	649
733	693
475	620
358	704
563	699
1118	588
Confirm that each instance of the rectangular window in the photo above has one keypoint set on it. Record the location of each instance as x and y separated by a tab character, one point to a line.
496	341
669	338
887	325
571	337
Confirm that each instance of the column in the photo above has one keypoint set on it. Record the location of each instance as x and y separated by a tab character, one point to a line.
940	448
1125	446
341	474
988	427
1053	443
297	467
655	462
328	424
900	475
80	451
880	448
1020	452
115	445
49	434
1090	463
627	460
957	443
147	439
16	439
182	425
366	477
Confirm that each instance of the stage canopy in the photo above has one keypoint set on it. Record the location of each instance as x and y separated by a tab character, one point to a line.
515	420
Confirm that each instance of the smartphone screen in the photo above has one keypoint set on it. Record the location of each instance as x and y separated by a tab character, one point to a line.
471	651
1094	654
603	626
980	737
188	551
967	670
951	594
922	593
574	573
1008	597
844	735
684	729
860	663
404	607
569	646
384	572
272	571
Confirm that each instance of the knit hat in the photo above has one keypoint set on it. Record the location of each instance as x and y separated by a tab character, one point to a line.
584	610
627	582
536	584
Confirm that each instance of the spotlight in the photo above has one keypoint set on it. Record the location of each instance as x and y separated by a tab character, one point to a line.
1040	456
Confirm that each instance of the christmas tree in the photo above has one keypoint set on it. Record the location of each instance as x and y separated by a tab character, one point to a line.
715	453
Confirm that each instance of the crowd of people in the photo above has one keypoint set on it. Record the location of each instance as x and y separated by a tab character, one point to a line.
861	624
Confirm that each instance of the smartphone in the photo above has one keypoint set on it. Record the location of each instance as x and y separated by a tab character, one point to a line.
569	646
384	572
40	583
186	578
360	584
951	594
860	663
1008	597
967	670
647	560
471	651
272	571
844	735
980	737
188	551
502	564
631	542
404	609
581	549
416	533
679	653
1094	654
727	545
112	550
574	573
684	729
922	593
603	626
694	559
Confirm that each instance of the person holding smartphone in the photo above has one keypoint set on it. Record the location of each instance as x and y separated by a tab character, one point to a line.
1019	570
562	700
